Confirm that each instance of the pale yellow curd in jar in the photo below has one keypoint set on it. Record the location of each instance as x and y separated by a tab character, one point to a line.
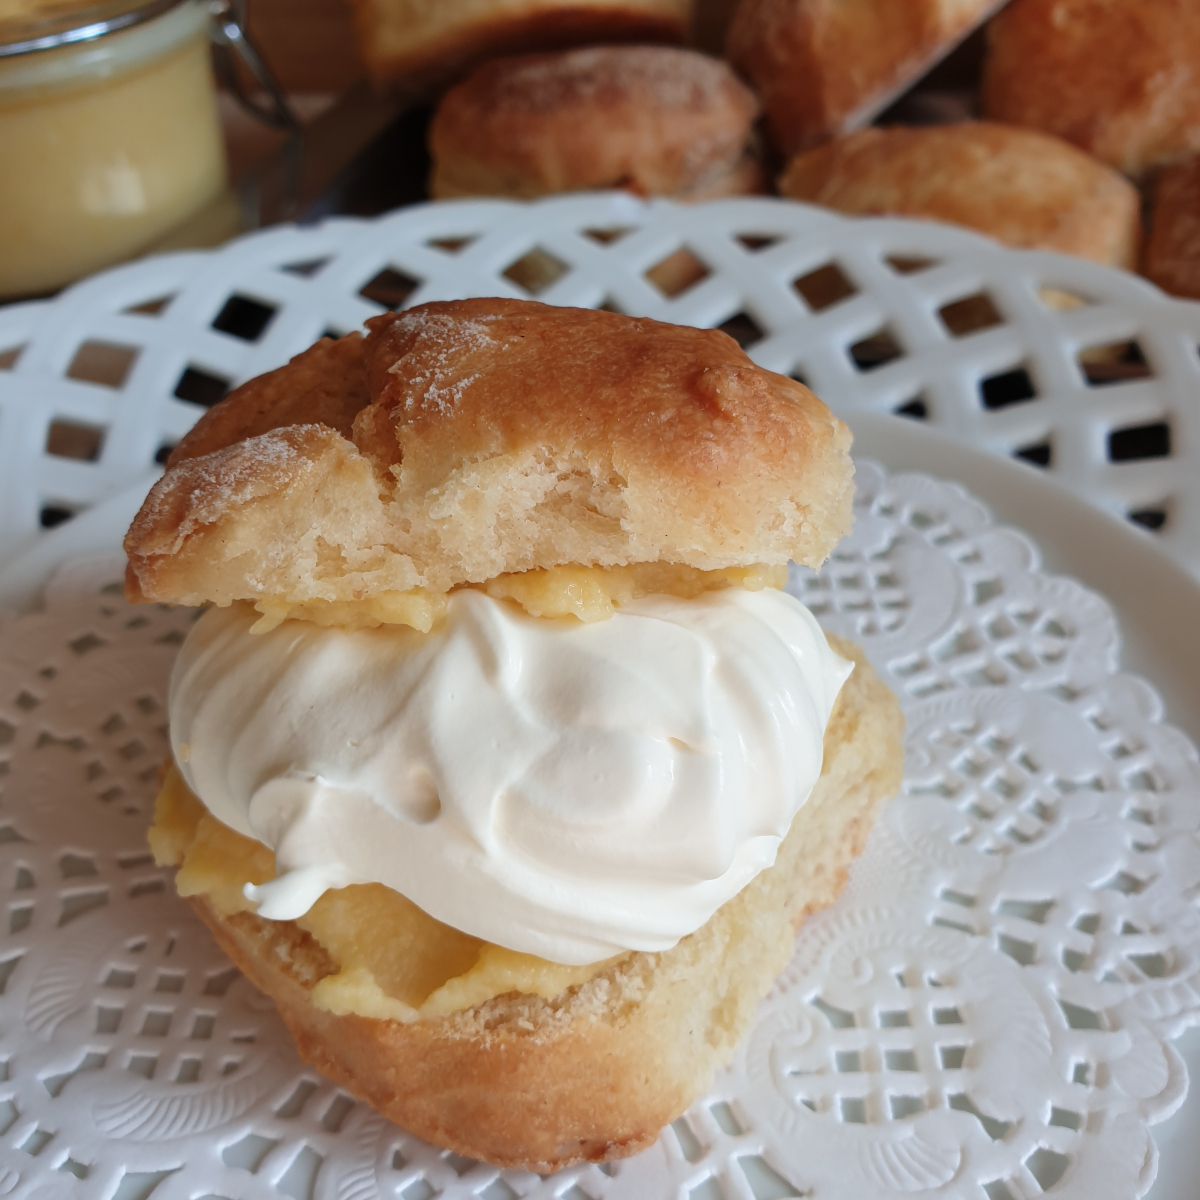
105	147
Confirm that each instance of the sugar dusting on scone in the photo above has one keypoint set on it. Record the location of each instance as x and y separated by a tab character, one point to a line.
655	120
501	762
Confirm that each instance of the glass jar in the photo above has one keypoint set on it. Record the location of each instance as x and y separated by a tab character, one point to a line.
109	134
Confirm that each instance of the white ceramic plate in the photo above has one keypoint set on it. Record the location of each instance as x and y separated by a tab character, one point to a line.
874	314
1091	369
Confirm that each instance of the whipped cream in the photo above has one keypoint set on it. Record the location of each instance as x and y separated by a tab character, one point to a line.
564	789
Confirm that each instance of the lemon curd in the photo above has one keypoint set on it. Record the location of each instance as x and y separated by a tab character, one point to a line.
105	146
393	961
587	593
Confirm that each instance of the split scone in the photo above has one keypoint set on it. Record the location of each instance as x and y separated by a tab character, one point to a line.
500	762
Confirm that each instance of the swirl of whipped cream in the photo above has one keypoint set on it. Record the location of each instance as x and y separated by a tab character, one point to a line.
564	789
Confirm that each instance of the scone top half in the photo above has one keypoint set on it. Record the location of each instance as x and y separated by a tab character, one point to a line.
465	440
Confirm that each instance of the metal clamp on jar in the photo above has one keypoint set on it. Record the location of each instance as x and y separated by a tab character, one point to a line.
109	135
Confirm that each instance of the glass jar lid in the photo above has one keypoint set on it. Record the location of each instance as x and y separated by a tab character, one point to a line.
47	24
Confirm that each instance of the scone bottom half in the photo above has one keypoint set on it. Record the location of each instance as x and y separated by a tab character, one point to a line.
532	1077
568	461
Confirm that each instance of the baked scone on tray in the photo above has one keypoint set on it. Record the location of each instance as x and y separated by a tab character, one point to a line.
500	761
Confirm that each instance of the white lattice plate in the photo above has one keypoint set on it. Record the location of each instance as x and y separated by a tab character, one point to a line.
984	1014
1089	370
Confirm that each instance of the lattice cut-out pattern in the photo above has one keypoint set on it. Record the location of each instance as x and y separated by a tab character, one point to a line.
1021	352
985	1011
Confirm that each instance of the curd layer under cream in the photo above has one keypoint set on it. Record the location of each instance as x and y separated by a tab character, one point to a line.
570	590
561	789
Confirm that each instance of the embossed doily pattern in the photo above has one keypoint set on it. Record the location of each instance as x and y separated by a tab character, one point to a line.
986	1013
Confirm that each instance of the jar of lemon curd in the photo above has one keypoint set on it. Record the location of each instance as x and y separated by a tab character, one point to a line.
109	135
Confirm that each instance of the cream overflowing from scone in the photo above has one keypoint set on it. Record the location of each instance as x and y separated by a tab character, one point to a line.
559	788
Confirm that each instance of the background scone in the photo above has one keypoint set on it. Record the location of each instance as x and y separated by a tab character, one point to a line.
655	120
1171	257
571	462
1019	186
823	67
1116	77
420	44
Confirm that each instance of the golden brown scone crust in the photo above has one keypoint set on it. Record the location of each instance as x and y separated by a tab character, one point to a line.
1119	78
528	1083
821	67
500	435
421	45
326	385
1171	256
1020	186
658	120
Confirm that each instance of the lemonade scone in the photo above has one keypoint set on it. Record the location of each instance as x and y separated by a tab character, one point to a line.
501	761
